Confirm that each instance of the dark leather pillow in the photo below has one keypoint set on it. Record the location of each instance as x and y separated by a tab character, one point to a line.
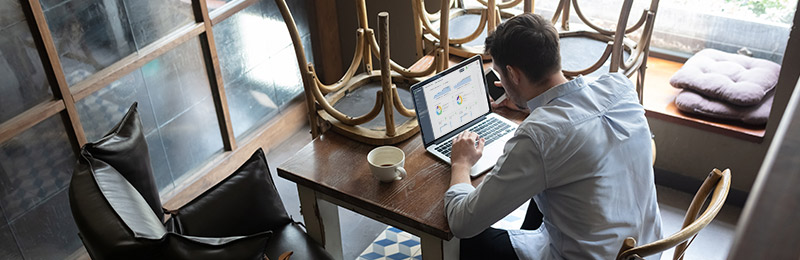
116	222
103	230
125	149
243	203
200	248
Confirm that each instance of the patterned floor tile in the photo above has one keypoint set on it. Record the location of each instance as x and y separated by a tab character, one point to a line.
395	244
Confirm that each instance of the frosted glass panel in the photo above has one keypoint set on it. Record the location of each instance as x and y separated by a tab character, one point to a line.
24	83
258	65
34	166
92	34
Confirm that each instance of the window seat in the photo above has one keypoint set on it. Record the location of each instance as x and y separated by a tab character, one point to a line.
658	104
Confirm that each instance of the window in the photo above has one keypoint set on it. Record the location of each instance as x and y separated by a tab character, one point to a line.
685	27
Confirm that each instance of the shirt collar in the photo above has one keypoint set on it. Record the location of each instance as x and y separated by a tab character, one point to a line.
555	92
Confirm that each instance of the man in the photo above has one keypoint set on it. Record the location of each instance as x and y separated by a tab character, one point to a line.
583	155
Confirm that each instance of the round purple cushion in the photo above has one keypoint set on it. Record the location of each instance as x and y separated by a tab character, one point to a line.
692	102
732	78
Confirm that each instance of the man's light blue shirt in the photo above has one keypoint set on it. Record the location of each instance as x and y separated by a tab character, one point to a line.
584	155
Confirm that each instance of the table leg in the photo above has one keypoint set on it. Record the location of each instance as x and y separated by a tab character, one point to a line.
322	221
435	248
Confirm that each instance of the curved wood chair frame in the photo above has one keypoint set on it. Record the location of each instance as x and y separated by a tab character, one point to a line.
320	97
491	16
717	181
639	50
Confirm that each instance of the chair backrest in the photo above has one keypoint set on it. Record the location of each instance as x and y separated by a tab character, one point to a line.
491	13
617	39
717	181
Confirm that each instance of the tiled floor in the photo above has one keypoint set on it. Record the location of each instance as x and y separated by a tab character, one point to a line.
371	236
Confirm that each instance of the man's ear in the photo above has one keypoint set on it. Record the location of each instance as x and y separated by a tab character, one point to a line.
513	74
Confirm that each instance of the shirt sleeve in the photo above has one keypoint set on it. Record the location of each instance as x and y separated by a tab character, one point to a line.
518	175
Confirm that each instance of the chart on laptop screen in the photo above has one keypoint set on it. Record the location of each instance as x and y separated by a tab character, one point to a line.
456	99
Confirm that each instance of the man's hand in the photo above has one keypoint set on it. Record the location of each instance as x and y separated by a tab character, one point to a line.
464	155
465	151
506	102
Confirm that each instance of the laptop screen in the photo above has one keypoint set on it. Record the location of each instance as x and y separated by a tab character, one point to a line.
451	99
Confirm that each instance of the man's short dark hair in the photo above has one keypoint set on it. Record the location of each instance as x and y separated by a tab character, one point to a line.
528	42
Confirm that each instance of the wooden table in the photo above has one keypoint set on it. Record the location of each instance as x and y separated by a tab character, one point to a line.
332	171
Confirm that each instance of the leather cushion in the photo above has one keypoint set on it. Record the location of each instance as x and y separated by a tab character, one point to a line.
116	223
103	231
243	203
290	237
125	149
727	77
199	248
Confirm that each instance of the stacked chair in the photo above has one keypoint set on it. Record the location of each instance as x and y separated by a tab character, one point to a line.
594	50
365	93
466	26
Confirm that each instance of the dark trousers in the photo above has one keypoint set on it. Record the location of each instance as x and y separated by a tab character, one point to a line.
495	243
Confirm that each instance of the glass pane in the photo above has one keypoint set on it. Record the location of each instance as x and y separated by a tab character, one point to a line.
151	20
175	106
48	231
728	25
288	83
10	13
93	34
689	26
24	83
89	35
8	246
251	100
300	11
34	166
258	63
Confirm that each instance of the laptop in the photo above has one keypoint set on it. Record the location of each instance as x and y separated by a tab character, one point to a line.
455	100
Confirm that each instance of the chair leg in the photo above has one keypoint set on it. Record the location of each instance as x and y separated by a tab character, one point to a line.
640	78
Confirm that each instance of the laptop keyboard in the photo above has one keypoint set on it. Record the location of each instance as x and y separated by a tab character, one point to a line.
490	129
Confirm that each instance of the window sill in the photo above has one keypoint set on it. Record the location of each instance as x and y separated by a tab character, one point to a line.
658	104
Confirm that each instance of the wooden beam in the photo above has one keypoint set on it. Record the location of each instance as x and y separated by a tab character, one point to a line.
214	75
325	40
53	70
135	60
29	118
768	225
229	9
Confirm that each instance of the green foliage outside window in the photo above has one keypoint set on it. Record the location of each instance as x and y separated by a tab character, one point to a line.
780	11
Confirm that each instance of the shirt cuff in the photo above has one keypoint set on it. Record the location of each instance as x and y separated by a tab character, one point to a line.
458	189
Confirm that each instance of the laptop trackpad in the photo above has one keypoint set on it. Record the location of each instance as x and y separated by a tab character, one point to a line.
490	155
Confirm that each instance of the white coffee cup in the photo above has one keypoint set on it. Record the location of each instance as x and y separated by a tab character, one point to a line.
386	163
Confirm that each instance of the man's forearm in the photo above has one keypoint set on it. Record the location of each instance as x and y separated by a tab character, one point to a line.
459	173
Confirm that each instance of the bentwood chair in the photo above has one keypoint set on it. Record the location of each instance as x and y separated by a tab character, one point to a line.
595	50
467	26
353	105
717	181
